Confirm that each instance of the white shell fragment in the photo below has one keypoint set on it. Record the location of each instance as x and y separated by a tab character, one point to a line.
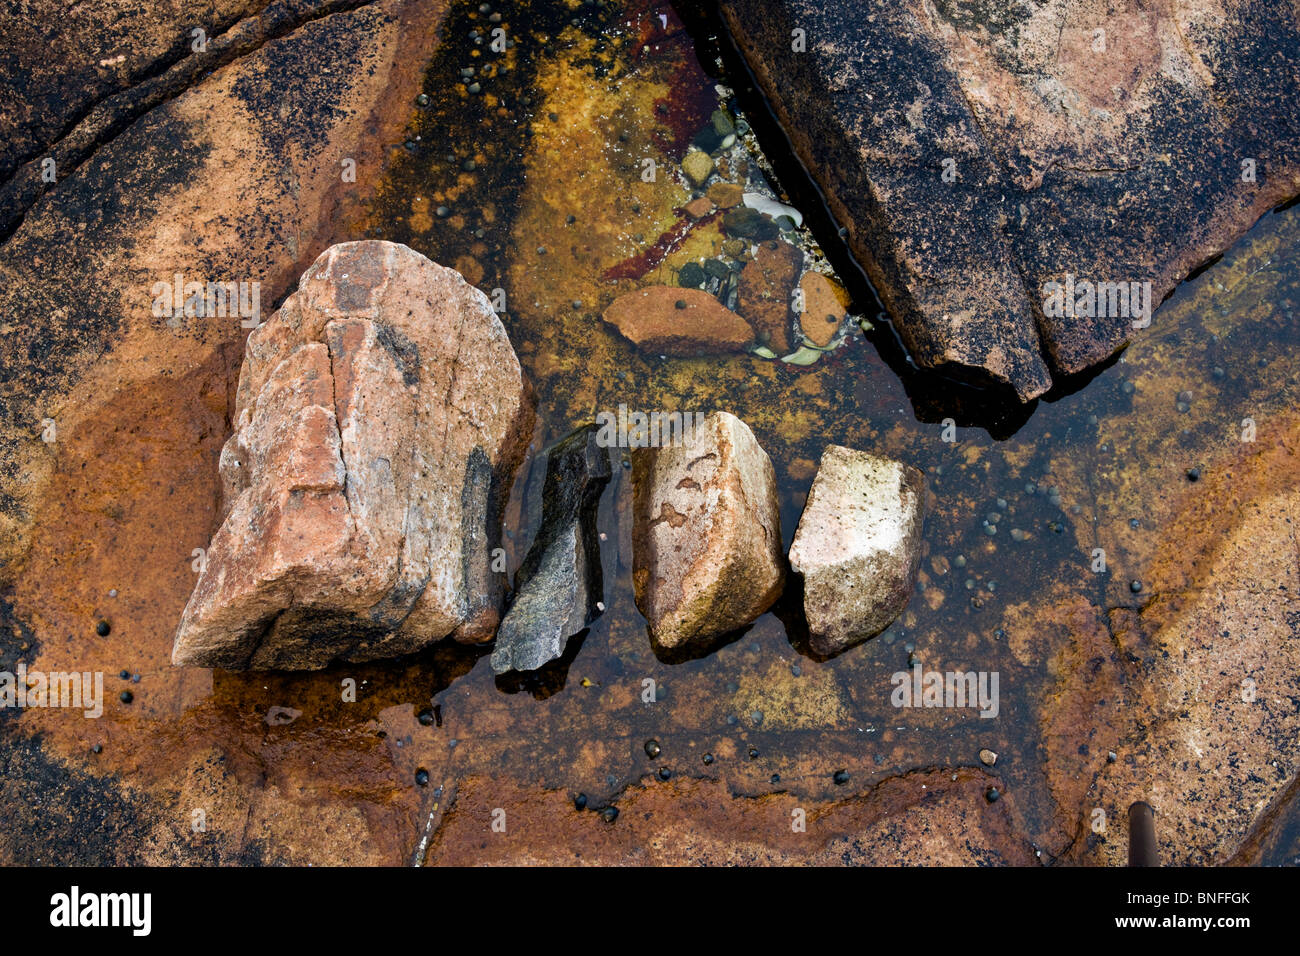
770	207
805	356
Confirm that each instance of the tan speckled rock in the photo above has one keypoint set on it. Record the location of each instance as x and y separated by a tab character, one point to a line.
698	166
380	417
255	195
822	311
857	546
706	534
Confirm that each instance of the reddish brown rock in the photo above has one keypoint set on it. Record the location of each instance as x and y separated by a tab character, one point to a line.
381	413
1205	728
675	321
706	534
766	284
726	195
857	546
937	817
699	208
822	311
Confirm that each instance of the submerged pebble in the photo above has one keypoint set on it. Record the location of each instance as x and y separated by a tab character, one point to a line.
691	276
698	166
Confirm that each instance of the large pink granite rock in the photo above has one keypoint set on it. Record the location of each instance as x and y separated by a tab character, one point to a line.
380	417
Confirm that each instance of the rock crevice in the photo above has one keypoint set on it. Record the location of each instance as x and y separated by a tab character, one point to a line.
960	145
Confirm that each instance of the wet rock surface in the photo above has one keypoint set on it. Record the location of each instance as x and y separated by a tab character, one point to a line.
822	312
237	176
78	76
857	546
559	589
706	537
766	287
132	487
977	152
379	420
678	321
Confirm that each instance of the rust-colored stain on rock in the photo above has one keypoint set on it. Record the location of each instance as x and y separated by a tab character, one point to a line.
1163	669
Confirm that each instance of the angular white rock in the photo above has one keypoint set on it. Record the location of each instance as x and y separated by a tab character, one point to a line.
857	546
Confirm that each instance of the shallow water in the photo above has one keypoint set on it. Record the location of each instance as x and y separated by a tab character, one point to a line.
609	87
590	92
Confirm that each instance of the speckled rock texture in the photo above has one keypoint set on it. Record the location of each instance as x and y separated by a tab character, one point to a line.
380	417
976	151
857	546
706	534
1087	666
231	171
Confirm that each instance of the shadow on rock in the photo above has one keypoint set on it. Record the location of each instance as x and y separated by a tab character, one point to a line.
695	652
547	680
325	699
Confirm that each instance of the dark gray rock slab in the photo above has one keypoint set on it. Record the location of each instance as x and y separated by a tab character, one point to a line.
559	587
978	151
